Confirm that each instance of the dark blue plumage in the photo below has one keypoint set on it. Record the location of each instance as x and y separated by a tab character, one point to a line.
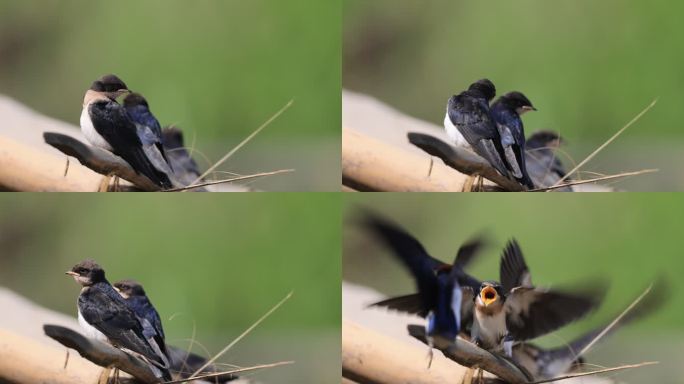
147	126
506	113
136	299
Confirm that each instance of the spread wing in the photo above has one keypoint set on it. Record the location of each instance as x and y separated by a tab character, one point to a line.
411	254
532	312
112	122
411	304
513	271
114	319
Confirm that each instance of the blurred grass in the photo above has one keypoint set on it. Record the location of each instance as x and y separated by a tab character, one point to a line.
588	66
217	263
217	69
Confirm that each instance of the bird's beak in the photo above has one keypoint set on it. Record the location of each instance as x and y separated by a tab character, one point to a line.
71	273
117	289
488	295
529	108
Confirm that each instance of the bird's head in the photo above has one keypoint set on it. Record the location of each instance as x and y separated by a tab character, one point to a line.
518	102
545	138
490	295
128	288
87	273
133	99
483	88
109	85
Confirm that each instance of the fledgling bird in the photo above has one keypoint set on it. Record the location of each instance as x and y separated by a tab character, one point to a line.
506	112
515	310
549	363
469	123
134	295
541	158
444	290
179	157
107	125
104	315
148	128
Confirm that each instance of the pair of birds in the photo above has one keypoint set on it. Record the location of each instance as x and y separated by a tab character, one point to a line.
497	316
127	129
122	315
494	132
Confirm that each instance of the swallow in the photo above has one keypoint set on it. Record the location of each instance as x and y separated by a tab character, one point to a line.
106	124
542	162
469	123
101	308
442	288
515	310
134	295
545	364
148	128
506	112
179	157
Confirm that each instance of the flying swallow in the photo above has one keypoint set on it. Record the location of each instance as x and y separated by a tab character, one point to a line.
542	162
545	364
515	310
469	123
102	308
442	288
134	295
107	125
506	112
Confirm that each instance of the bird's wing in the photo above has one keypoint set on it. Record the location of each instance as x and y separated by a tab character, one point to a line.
412	304
115	320
513	271
468	250
467	307
113	123
532	312
412	255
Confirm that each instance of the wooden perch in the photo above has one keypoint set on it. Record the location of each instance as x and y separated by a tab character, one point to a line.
370	357
371	165
101	353
444	151
469	355
99	160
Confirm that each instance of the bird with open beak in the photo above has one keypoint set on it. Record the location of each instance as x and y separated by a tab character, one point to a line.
506	111
104	314
106	124
515	310
445	292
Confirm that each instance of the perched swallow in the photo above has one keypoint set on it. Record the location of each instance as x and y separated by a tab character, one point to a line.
545	364
506	112
101	308
469	123
542	161
107	125
514	310
134	295
179	158
148	127
442	288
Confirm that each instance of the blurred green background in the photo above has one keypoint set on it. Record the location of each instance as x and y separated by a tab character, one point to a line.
217	69
588	66
627	240
218	264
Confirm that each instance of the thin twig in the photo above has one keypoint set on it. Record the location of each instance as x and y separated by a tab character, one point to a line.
246	177
609	177
613	369
599	149
243	334
615	321
209	375
243	142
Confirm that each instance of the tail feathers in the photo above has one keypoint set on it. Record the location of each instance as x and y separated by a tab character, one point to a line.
411	304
